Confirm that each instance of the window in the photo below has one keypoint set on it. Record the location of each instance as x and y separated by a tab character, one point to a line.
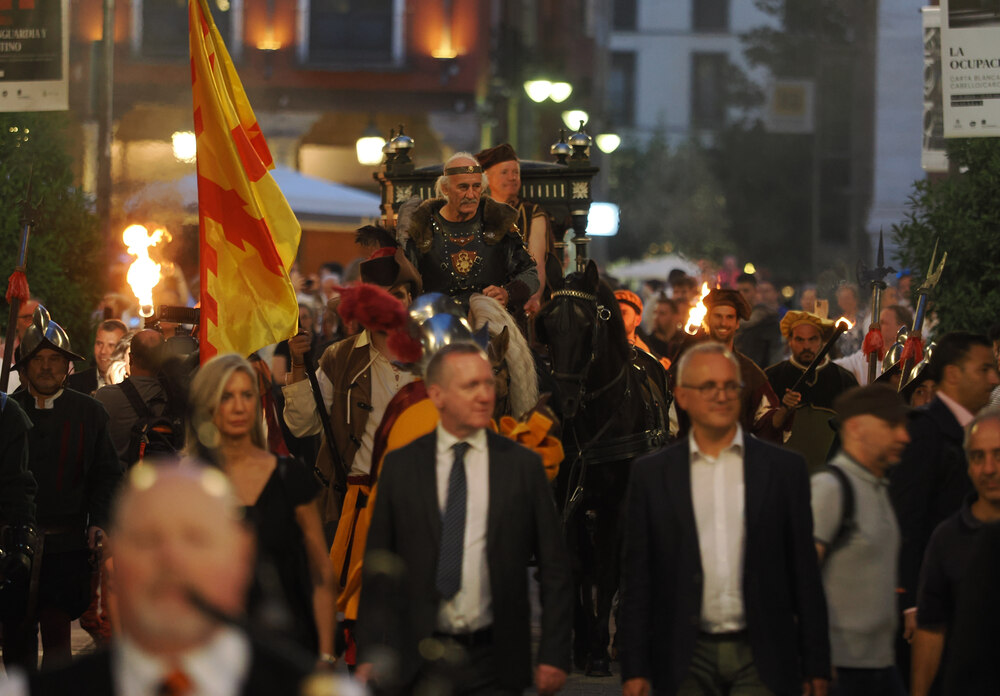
160	27
351	32
708	89
623	15
621	89
710	15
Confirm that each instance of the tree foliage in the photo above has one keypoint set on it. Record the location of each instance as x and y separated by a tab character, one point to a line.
670	201
962	215
65	253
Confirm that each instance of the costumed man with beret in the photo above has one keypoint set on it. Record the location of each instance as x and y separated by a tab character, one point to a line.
463	243
761	413
503	171
630	305
74	462
812	400
357	378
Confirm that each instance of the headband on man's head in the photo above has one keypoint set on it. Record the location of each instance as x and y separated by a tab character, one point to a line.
465	169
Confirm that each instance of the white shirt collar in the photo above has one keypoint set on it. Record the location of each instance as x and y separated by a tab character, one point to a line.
218	667
963	415
735	445
445	440
49	403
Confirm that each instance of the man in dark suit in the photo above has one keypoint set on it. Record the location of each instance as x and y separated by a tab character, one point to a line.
722	590
458	515
931	480
177	531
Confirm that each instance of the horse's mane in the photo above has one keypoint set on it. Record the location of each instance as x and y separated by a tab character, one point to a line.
523	379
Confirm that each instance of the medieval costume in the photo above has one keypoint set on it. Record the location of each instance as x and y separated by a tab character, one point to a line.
461	258
76	468
811	434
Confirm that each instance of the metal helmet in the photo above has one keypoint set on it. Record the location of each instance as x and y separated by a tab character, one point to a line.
43	333
441	330
919	373
895	351
432	304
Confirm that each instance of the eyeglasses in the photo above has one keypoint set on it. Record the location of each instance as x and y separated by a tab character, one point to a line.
711	390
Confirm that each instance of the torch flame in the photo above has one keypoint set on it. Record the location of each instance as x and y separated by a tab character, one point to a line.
144	273
698	312
844	320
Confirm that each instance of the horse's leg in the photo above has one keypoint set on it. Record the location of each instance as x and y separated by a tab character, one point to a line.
603	584
579	545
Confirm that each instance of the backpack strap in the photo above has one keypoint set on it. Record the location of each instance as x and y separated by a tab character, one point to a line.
847	521
134	398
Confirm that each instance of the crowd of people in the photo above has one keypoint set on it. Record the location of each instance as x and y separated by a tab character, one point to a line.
366	491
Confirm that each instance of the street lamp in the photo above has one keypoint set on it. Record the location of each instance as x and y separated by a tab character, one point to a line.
573	117
560	92
185	146
369	146
608	142
538	90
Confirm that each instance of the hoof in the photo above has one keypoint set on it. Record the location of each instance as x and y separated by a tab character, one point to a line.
598	667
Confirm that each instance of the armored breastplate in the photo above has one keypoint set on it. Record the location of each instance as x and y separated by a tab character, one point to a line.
459	261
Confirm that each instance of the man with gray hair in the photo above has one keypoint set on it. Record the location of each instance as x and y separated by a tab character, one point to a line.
463	243
722	591
945	569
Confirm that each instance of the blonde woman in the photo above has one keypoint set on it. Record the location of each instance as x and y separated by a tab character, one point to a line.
226	429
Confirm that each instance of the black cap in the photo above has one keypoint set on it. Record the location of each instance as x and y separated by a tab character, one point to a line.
879	400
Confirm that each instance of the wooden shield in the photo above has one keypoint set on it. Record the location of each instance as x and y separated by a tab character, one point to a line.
812	435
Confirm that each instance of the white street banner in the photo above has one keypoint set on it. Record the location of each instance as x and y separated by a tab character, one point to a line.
970	68
34	55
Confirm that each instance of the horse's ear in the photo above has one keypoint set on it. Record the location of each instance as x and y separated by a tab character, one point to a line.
553	273
501	342
591	277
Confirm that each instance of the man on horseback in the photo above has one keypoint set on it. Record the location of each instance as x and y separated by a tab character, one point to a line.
463	243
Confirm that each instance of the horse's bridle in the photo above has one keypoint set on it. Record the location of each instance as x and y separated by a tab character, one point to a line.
602	314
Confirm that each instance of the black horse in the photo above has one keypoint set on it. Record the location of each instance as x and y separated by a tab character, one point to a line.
612	401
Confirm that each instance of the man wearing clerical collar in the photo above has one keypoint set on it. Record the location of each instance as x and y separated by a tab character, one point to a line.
463	243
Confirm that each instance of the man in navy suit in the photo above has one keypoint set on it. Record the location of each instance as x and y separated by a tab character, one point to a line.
722	589
458	515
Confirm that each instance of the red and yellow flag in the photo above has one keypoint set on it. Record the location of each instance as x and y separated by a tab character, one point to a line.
249	235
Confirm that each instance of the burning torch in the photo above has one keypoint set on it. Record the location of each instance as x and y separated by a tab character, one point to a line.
697	313
144	273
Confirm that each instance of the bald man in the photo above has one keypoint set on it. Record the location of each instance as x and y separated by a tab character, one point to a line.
177	532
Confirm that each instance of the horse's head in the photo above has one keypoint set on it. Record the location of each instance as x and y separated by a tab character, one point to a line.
578	326
496	350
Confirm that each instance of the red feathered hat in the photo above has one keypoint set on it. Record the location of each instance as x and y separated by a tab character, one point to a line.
376	310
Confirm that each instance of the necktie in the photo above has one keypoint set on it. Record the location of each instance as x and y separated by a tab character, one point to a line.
175	684
449	567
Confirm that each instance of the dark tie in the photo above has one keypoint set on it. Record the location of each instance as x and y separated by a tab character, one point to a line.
449	568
